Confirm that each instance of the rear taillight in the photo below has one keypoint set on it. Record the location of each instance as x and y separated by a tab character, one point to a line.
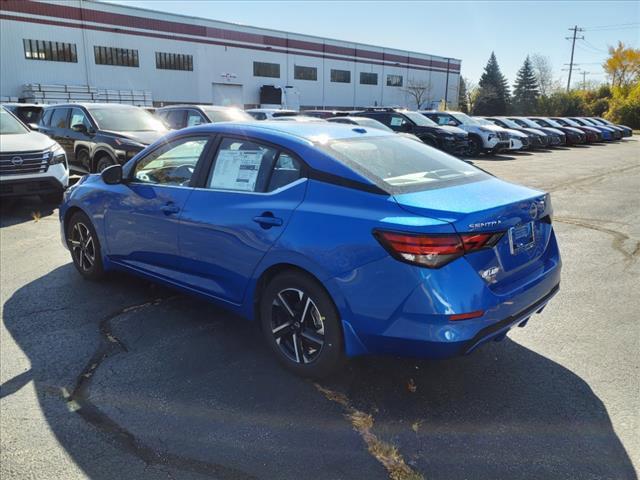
434	251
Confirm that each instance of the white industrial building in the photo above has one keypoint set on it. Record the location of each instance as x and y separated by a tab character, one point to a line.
118	53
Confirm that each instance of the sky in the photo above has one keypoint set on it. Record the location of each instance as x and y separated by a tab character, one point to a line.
468	30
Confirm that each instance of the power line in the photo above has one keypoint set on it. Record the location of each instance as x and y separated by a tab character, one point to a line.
619	26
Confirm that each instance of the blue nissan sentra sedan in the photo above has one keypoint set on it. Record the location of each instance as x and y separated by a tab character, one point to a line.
337	240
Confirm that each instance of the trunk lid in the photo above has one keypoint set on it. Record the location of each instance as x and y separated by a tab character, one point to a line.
490	205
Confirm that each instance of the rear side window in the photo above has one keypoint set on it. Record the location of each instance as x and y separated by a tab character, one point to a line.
399	165
59	118
246	166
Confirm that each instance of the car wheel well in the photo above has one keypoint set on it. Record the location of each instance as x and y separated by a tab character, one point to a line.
68	215
271	273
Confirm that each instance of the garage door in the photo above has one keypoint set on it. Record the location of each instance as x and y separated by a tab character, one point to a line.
228	95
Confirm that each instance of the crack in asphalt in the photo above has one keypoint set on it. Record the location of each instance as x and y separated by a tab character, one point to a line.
619	238
385	453
79	402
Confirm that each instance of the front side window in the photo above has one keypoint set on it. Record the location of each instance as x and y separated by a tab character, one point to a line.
340	76
263	69
46	118
172	164
228	115
398	122
394	80
175	118
59	118
78	117
194	118
399	164
305	73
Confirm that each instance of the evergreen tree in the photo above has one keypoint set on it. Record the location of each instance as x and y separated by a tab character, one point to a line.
525	90
462	96
493	94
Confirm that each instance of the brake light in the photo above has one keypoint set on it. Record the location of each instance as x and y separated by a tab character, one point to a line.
436	250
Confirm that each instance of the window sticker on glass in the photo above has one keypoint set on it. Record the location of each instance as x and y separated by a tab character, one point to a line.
396	121
237	170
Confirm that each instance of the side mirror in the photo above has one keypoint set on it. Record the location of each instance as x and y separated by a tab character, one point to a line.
112	175
79	127
34	127
452	123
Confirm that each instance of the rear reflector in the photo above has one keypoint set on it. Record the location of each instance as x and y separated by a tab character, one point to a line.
466	316
436	250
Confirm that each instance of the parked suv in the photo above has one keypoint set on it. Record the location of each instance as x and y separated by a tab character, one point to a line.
30	163
98	135
451	140
537	138
182	116
481	138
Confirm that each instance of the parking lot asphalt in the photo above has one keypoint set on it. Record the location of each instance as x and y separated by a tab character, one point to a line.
124	379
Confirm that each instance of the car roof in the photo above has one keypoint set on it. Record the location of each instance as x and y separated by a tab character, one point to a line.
269	110
17	104
310	131
92	104
201	106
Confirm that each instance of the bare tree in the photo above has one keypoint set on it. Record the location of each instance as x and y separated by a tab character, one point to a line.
544	73
419	92
472	92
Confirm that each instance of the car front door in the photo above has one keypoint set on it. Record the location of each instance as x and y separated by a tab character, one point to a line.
80	137
142	217
58	129
228	225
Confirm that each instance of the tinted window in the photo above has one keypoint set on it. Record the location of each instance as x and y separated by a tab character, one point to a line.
341	76
28	114
51	51
305	73
367	78
120	57
171	164
287	170
400	164
262	69
394	80
175	118
241	165
59	118
46	118
174	61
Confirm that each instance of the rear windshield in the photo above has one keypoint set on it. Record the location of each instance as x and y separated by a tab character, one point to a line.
399	165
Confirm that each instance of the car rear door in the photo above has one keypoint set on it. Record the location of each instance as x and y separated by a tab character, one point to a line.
142	217
241	209
79	137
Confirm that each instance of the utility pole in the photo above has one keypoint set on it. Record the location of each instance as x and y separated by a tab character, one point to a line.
584	79
573	47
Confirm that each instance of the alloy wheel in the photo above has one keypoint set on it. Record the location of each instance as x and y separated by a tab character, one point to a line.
297	325
82	246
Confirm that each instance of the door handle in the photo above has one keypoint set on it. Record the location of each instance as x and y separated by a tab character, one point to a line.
267	220
170	208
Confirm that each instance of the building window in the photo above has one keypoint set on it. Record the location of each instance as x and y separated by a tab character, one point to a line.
119	57
305	73
262	69
394	80
367	78
51	51
341	76
174	61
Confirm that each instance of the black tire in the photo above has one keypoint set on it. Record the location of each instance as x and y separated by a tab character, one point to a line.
84	246
305	331
475	147
55	198
103	162
83	159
